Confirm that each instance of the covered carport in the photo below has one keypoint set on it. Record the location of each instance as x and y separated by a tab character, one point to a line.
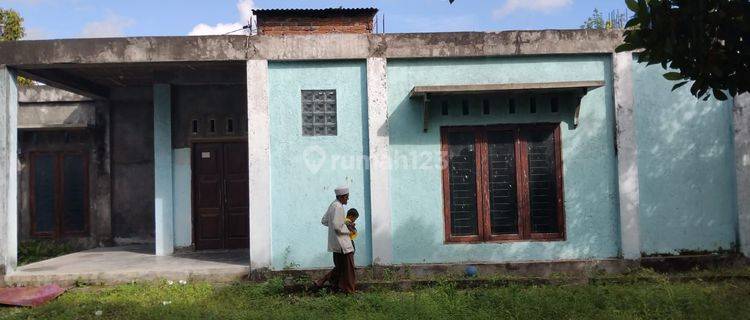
132	83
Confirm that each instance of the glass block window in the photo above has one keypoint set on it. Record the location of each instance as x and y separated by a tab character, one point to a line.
319	113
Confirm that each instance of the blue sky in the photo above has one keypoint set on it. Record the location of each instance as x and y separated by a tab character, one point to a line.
50	19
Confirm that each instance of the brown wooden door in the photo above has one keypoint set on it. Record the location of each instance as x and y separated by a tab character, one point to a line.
220	195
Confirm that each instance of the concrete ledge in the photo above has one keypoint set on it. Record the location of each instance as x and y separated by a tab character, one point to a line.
43	53
528	269
47	94
48	116
218	275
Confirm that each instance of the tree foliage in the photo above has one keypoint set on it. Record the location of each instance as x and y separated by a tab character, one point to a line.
705	41
13	30
615	20
13	25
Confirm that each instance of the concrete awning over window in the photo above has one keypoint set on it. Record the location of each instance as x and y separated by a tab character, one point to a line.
577	88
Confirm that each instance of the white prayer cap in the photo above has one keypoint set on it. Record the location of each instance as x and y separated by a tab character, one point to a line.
340	191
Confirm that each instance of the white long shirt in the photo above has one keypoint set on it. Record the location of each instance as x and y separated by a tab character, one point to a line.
338	233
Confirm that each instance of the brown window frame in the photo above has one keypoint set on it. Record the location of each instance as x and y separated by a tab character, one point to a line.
484	233
59	231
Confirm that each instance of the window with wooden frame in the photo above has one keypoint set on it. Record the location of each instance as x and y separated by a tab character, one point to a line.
58	194
502	183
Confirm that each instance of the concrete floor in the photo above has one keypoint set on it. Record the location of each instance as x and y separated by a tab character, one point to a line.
133	263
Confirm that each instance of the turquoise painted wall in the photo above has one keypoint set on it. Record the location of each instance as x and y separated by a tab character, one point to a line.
181	176
305	170
589	166
685	165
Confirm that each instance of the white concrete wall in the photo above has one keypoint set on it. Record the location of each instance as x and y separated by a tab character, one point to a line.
379	139
8	173
259	166
627	156
742	162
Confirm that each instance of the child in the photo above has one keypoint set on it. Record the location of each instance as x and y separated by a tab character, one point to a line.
351	217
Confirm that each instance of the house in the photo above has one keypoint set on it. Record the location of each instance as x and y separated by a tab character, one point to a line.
462	147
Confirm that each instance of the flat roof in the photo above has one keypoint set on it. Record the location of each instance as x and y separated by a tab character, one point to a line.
71	52
320	13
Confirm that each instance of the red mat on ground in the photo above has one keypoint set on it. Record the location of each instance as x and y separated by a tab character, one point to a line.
29	296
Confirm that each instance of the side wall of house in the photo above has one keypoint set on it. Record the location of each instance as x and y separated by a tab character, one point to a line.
686	167
306	169
589	163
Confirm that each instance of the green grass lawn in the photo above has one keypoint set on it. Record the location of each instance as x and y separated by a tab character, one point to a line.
657	299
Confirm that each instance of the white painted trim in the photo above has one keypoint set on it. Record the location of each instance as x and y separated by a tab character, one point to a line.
259	164
8	169
627	156
163	189
741	119
379	138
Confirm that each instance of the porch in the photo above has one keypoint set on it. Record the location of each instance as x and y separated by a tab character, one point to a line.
133	263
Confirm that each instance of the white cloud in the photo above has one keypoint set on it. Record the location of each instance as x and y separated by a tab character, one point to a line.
244	9
545	6
36	34
220	28
112	26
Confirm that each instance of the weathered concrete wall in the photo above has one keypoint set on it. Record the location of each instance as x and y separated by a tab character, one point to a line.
308	47
685	167
56	116
132	165
206	102
39	94
589	164
45	107
306	169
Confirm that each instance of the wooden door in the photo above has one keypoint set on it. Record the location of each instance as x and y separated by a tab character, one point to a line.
220	195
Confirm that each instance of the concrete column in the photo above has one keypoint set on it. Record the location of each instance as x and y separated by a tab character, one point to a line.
627	156
741	115
163	212
8	173
259	165
377	115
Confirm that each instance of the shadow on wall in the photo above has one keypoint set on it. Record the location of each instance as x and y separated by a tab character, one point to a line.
686	168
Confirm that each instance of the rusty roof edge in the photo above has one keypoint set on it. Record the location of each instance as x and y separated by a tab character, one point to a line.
419	91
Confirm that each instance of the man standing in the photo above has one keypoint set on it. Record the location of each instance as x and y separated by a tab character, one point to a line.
342	276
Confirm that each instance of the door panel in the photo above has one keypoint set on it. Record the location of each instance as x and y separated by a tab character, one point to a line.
236	195
43	200
207	176
220	195
74	194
